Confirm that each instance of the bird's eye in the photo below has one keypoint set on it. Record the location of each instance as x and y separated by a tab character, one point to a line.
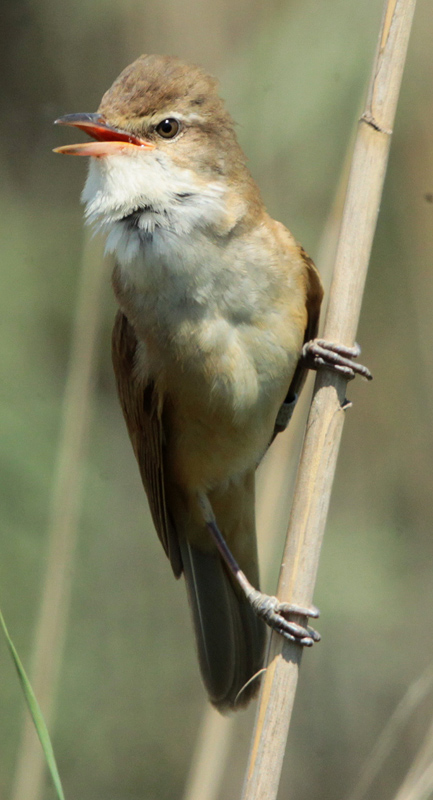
168	128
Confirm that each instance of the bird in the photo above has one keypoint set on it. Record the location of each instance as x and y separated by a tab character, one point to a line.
215	332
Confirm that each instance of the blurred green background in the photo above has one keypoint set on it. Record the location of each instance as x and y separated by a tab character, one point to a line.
130	699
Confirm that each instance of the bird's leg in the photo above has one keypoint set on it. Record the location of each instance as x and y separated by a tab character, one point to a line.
269	609
320	354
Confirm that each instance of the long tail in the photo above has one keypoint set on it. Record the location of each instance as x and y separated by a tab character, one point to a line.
230	637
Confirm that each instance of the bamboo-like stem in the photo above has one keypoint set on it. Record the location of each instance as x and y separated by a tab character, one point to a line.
325	422
210	755
418	783
413	698
63	519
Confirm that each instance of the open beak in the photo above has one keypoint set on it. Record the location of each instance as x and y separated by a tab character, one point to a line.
109	140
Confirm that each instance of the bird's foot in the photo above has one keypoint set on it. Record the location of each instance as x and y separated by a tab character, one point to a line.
277	616
269	609
320	354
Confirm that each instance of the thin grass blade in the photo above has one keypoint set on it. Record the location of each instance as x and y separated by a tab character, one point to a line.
35	712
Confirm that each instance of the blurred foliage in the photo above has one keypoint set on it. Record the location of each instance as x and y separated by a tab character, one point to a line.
293	74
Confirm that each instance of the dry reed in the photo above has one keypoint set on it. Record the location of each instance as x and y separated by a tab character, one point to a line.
65	506
325	423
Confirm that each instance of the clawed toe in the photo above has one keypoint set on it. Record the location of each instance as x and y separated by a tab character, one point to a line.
277	616
269	609
291	608
293	631
304	635
318	354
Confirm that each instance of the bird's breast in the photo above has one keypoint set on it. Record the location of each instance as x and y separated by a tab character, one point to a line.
220	337
213	317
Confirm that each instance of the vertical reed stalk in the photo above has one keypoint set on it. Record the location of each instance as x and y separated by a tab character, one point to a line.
65	506
412	699
418	783
325	423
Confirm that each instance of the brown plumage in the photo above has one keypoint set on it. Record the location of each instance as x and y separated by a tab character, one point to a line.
216	301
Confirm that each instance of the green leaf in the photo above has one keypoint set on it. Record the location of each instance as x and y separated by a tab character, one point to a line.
36	713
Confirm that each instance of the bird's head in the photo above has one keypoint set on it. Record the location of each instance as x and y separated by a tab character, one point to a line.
162	138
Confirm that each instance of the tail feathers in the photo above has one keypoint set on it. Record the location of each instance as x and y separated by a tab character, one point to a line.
230	637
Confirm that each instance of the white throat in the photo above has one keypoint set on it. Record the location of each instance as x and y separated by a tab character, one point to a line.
136	196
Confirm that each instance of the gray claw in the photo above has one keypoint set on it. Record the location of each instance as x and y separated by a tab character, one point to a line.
292	608
297	631
319	353
274	613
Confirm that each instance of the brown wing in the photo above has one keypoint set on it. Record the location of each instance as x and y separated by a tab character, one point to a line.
140	409
314	295
314	292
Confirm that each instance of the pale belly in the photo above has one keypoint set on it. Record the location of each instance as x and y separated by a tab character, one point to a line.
220	406
207	449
